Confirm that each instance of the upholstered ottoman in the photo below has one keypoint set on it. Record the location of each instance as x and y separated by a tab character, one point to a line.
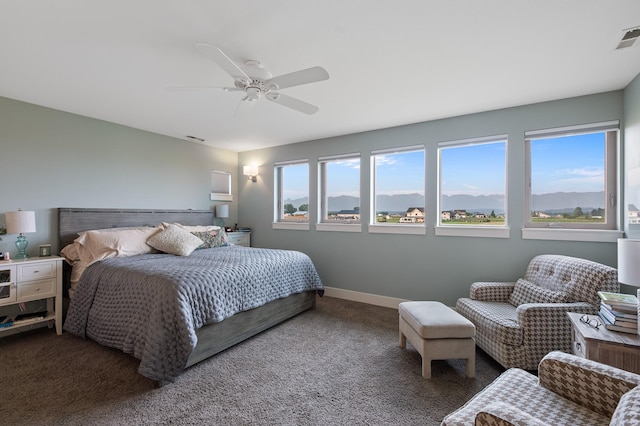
437	332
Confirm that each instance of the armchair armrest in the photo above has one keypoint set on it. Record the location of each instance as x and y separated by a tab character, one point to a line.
628	411
491	291
591	384
502	414
547	327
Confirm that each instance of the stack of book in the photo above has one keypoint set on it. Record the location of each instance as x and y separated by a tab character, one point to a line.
619	312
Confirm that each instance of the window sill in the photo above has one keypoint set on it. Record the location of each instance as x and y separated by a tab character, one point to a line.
339	227
398	229
591	235
473	231
296	226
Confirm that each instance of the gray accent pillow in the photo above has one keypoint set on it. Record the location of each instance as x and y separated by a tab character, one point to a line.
174	240
526	292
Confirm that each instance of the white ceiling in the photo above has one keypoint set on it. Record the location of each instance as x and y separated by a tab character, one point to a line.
390	62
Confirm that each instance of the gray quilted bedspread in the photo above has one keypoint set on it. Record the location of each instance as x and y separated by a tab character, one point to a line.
151	305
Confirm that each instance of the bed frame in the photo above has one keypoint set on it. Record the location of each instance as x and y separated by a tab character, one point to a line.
212	338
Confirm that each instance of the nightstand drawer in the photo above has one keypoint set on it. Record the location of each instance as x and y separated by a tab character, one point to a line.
36	271
37	290
239	238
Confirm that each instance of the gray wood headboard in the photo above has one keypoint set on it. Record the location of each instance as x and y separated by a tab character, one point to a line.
74	220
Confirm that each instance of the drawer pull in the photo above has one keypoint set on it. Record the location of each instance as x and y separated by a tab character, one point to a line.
36	271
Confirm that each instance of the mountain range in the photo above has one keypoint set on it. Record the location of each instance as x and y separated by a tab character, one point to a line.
556	202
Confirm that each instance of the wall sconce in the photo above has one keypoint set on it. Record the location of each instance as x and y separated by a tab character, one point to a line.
251	172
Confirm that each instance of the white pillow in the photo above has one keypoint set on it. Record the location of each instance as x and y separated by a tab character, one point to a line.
105	244
175	240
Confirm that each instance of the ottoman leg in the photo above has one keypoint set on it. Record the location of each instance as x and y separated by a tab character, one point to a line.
426	368
471	359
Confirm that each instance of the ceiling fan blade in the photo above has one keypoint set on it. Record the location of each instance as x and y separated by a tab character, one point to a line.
310	75
222	60
293	103
244	107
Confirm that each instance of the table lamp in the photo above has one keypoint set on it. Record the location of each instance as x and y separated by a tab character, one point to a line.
21	222
222	212
629	264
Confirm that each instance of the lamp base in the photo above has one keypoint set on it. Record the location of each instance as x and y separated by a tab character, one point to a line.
21	244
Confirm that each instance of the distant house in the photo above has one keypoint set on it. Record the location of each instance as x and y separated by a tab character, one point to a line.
445	215
460	214
414	213
348	215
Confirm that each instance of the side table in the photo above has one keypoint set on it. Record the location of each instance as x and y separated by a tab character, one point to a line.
617	349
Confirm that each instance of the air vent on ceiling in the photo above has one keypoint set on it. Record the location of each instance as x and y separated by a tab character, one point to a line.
629	37
195	138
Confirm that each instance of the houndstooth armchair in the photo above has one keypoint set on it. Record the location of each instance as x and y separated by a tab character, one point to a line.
518	323
569	390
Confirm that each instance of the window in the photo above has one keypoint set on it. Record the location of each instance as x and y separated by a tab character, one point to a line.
571	175
339	181
472	182
292	191
398	181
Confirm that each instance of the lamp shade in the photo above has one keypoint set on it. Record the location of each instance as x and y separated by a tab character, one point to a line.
629	261
250	170
20	222
222	210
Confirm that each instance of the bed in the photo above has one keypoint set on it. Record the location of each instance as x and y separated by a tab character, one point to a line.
172	311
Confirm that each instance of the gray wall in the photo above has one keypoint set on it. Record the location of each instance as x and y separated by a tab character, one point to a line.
51	159
423	267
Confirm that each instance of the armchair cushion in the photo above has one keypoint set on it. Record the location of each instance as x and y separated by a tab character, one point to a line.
527	292
581	279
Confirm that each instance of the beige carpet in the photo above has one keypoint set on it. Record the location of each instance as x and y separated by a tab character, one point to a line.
339	364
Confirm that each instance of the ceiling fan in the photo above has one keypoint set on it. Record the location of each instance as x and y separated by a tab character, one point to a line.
256	82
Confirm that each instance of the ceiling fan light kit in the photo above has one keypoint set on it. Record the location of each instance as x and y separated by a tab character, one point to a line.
253	79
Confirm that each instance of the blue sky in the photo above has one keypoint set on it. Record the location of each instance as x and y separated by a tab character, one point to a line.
477	169
567	164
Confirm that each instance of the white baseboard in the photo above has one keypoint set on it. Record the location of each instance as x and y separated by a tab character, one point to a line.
356	296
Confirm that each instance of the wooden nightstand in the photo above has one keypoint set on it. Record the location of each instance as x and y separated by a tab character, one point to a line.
613	348
239	238
31	279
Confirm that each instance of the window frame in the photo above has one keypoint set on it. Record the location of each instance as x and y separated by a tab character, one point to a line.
570	231
278	222
491	231
323	224
408	229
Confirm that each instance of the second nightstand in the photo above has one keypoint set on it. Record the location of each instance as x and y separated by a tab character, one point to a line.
621	350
